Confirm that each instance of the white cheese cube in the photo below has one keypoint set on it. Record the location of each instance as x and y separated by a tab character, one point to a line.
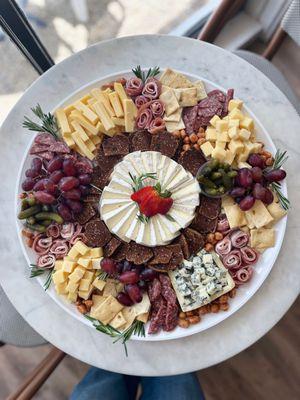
236	114
219	153
223	136
211	134
236	146
233	122
207	148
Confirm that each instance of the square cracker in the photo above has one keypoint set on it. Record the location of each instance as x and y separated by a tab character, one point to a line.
107	310
167	77
180	81
174	126
201	92
187	97
175	117
169	99
262	238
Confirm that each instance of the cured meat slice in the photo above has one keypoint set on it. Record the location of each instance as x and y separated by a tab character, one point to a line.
140	101
38	148
157	319
162	255
100	177
171	319
97	233
157	125
106	163
140	141
165	143
144	118
86	214
44	139
157	107
194	240
152	88
121	252
111	246
203	224
182	241
59	147
167	290
229	96
138	254
210	207
154	290
189	116
134	86
192	160
117	145
217	94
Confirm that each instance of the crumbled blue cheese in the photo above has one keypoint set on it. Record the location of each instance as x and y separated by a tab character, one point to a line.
200	280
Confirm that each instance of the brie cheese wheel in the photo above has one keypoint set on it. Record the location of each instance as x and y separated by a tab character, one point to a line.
121	214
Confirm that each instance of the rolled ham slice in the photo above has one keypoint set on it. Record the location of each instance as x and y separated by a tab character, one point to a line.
67	231
249	255
140	101
152	88
134	87
46	261
223	224
41	244
157	125
233	260
59	248
157	107
144	119
239	239
243	275
53	230
223	247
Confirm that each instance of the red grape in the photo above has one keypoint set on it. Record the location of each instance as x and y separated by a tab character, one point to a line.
129	277
247	203
84	179
69	167
31	173
255	160
28	184
142	285
67	183
134	293
40	184
108	265
73	194
269	197
148	274
44	197
126	266
85	190
124	299
55	164
275	175
257	174
50	187
75	206
65	212
56	176
259	192
36	164
237	192
245	177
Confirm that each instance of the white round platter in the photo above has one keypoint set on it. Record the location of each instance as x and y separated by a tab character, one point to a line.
245	292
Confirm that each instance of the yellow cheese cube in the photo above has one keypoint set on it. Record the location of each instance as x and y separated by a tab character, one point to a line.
104	116
102	95
225	118
84	262
223	136
96	263
214	120
220	144
130	112
99	284
244	134
58	265
236	146
72	286
120	90
72	297
73	253
96	252
82	146
243	156
235	103
61	288
77	127
96	139
59	276
84	284
85	294
90	145
236	114
77	274
87	112
89	275
207	149
62	121
211	134
233	132
221	126
247	123
69	140
229	157
233	122
116	104
219	153
68	266
81	247
250	147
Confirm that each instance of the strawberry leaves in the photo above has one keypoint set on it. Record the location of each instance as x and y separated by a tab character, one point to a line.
138	181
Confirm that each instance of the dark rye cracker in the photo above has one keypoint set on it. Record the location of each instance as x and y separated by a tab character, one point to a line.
100	177
111	247
210	207
138	254
181	240
106	163
97	233
175	261
192	160
165	143
117	145
140	141
195	240
162	255
121	252
203	224
88	212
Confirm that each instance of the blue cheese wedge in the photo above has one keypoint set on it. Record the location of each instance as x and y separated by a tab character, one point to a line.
200	280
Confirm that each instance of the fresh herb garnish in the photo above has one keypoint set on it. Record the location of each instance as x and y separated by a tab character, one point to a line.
279	159
143	75
138	181
136	328
143	218
102	275
48	122
36	271
170	218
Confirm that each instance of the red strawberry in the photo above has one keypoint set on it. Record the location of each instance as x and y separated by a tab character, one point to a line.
165	204
140	195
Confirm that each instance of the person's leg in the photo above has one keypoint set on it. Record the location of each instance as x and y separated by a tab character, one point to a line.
99	384
178	387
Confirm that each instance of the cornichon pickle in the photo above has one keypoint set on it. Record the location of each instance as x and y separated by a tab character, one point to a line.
211	192
31	201
213	164
221	189
215	175
46	222
49	215
29	212
24	204
232	174
45	207
227	181
206	182
37	227
31	221
206	170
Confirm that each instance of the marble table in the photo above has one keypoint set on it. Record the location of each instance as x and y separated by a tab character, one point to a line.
207	348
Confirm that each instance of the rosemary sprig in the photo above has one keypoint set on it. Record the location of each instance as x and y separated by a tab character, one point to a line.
36	271
102	275
170	218
279	159
143	218
138	181
47	123
136	328
143	75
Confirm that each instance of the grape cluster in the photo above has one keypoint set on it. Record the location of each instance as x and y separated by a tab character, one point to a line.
57	183
253	183
135	279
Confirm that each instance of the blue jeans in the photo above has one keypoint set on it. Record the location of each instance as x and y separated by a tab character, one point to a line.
99	384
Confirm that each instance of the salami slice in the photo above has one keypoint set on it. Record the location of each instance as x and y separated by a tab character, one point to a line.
184	246
192	160
189	116
140	141
217	94
171	319
44	139
138	254
97	234
194	239
165	143
117	145
38	148
158	319
162	255
210	207
111	246
203	224
154	290
229	96
59	147
86	214
167	290
47	155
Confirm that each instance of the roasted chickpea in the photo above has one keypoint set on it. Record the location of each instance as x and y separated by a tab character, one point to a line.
182	314
201	141
193	138
183	323
88	304
214	308
209	247
182	133
210	237
218	236
224	306
186	140
269	161
196	146
186	147
189	313
223	299
176	133
194	319
202	310
232	293
82	309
